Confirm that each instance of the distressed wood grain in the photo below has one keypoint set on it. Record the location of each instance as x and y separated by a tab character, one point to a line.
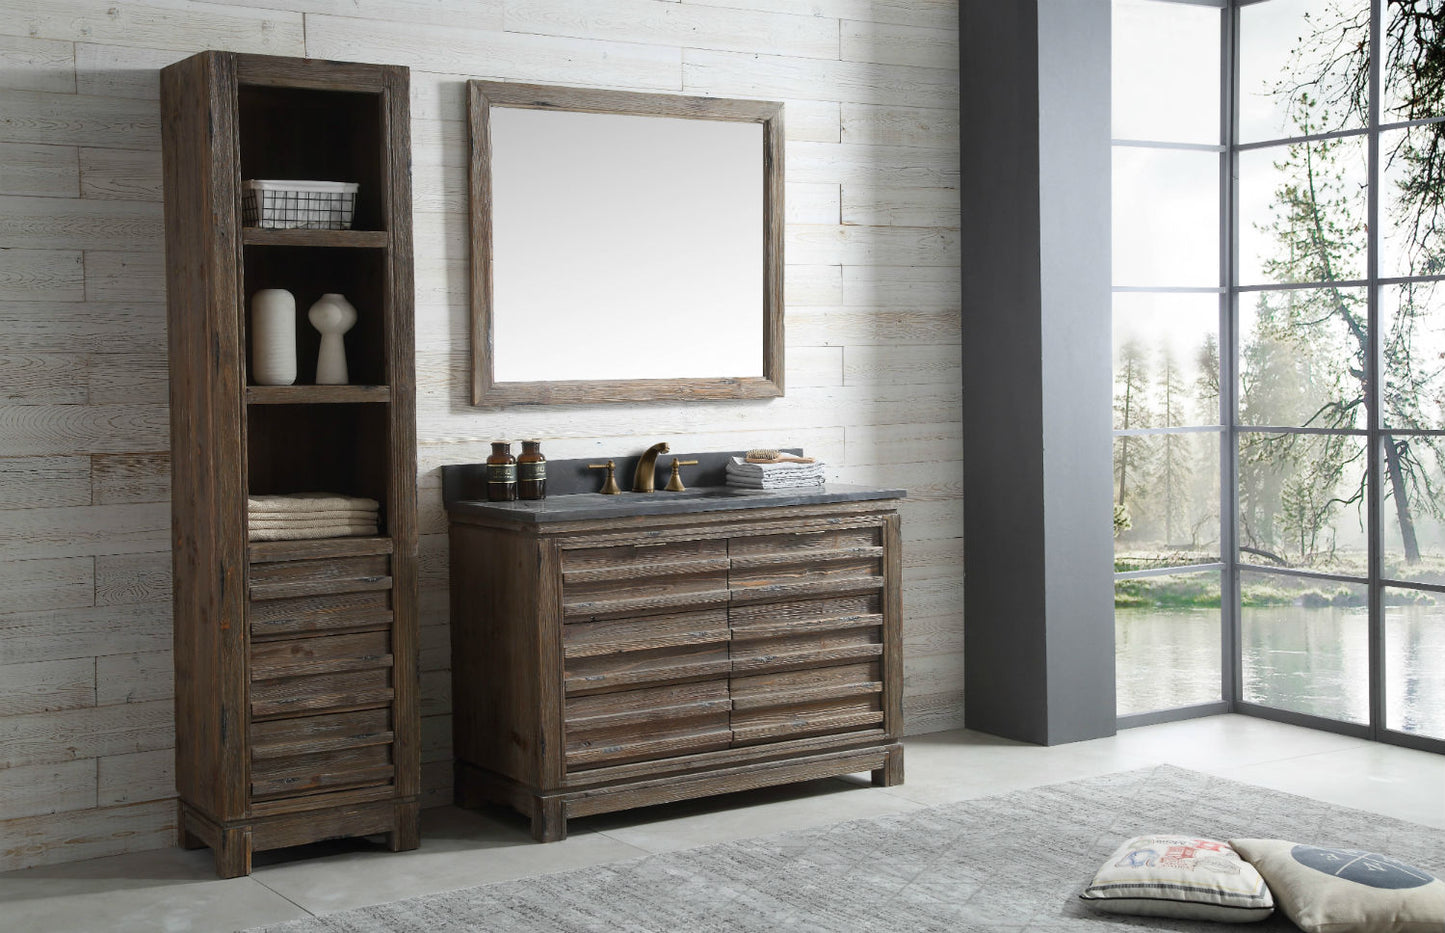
737	74
888	205
78	120
86	834
935	364
851	164
43	378
82	632
84	531
41	171
118	479
127	579
851	327
29	64
121	71
896	44
120	174
134	678
137	777
42	686
162	25
112	275
937	14
38	275
46	583
92	732
44	482
896	125
37	790
63	223
71	326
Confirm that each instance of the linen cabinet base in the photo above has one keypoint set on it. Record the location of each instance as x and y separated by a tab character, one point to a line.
296	698
608	664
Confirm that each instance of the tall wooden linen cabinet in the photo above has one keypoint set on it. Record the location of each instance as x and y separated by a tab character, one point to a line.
296	661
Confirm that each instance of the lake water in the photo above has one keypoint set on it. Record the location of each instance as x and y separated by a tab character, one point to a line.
1295	658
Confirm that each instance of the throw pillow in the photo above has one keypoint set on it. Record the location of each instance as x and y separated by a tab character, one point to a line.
1179	876
1326	890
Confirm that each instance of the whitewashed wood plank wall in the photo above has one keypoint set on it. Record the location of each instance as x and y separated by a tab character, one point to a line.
873	281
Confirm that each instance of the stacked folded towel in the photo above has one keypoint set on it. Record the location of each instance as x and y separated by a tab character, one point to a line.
302	515
774	475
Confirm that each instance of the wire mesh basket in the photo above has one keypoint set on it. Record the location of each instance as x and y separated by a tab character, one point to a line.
292	205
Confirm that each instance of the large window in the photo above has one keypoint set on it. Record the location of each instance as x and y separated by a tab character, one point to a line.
1325	362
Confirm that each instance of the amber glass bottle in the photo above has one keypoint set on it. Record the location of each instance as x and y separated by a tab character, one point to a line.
531	472
501	473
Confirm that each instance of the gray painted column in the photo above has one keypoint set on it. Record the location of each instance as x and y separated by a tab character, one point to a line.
1038	467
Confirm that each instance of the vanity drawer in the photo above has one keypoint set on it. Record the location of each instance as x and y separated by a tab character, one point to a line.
793	566
329	612
632	579
287	738
642	633
800	720
293	578
658	666
322	771
323	654
757	655
654	722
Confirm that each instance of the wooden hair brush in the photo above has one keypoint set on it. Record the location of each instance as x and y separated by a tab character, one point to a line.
771	455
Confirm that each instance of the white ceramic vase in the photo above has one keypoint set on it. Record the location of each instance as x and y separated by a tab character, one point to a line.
273	337
333	316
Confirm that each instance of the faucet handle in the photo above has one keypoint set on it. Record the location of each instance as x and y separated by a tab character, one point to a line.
609	488
674	484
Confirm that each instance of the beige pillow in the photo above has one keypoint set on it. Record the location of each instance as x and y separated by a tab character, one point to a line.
1326	890
1179	876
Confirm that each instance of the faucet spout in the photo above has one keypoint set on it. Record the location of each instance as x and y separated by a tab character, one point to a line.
645	479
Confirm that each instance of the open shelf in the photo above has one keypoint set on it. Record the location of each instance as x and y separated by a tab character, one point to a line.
348	239
316	395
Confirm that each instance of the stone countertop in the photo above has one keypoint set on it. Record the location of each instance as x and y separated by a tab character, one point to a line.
594	506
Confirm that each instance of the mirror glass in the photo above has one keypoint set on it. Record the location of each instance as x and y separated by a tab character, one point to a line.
625	246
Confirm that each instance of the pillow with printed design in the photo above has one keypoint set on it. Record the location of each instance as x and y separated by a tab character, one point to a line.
1182	877
1330	890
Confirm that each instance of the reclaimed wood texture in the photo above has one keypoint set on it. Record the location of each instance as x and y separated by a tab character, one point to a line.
872	337
333	621
707	647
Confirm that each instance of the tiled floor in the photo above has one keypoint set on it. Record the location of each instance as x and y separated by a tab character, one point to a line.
175	890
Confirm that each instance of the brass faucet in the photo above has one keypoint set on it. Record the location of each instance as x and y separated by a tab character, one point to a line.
644	480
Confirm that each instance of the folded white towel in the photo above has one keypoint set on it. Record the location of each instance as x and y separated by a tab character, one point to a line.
337	515
341	530
775	482
316	526
309	502
740	466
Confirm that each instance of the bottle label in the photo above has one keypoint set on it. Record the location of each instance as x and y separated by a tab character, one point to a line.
501	472
532	470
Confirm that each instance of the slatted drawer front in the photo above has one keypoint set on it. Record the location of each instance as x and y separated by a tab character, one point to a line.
820	563
644	668
326	613
638	578
654	722
791	705
293	578
325	672
317	753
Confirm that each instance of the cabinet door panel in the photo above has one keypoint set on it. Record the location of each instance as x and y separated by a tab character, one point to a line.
324	654
292	578
654	722
640	633
793	566
322	771
330	612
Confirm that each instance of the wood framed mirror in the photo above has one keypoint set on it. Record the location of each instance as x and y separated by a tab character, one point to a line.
624	246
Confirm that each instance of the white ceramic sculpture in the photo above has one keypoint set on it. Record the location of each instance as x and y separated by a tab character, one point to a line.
333	316
273	337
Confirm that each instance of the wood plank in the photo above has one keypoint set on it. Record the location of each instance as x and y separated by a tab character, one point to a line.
136	778
657	668
44	482
41	686
39	171
883	444
31	64
322	770
935	364
677	24
47	583
83	632
315	395
138	378
848	327
83	531
71	326
36	790
120	174
324	570
134	678
922	287
122	71
938	14
813	203
160	25
119	479
476	14
124	276
86	834
901	207
812	286
76	119
43	378
891	125
284	738
894	44
598	639
42	275
89	732
933	712
890	246
343	239
324	693
897	166
263	552
814	367
329	612
326	654
741	74
513	56
78	223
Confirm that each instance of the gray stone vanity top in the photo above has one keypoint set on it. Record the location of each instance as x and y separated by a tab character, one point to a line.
571	494
589	506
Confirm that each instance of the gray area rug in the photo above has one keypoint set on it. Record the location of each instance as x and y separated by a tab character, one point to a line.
1014	863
